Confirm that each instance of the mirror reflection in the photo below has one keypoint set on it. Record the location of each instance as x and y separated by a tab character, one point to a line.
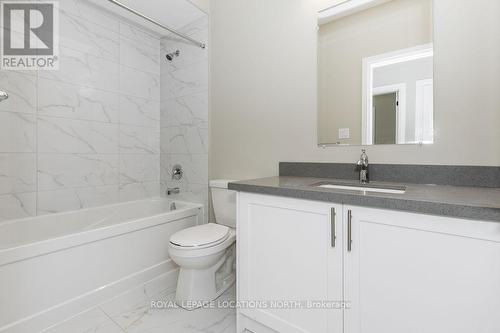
375	73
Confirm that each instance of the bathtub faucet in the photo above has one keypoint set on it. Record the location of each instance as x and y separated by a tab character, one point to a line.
173	190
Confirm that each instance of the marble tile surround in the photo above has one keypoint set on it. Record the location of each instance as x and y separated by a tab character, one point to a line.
89	134
184	115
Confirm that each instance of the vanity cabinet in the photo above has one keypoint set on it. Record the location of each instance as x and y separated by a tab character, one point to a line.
397	271
419	273
287	252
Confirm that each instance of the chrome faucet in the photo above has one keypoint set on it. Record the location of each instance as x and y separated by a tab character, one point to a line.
362	167
173	190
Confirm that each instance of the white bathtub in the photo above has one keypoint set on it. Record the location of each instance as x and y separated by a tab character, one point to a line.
55	266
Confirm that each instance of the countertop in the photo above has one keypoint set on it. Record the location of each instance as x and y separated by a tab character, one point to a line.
477	203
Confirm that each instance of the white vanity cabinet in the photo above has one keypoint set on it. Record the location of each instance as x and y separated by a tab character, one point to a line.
400	272
287	252
419	273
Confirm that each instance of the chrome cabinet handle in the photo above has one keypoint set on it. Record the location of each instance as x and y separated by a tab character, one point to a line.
349	230
332	226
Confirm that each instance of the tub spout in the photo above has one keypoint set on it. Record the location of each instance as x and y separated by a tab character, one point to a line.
174	190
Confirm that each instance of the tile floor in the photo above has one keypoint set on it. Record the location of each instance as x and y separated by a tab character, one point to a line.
132	313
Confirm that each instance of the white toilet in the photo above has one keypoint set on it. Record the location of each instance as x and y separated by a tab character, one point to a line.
206	254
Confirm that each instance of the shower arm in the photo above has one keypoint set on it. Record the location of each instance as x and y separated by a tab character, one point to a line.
194	41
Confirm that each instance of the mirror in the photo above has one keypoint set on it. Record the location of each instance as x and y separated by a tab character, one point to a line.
375	73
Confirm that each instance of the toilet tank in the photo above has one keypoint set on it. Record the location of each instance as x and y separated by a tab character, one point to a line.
224	202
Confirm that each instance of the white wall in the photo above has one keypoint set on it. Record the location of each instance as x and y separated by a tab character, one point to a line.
263	88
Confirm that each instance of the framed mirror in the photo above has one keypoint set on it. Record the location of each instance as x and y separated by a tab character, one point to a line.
375	73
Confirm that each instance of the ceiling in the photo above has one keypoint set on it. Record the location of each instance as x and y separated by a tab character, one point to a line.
342	8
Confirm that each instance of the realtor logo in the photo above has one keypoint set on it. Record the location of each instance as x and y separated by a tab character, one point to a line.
29	35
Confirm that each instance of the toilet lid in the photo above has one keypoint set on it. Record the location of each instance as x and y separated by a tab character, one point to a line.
200	235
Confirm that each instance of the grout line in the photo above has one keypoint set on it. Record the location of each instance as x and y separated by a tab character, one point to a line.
118	19
107	59
193	25
94	154
68	188
196	93
163	137
82	85
20	113
19	72
18	153
156	75
119	195
36	144
146	44
122	20
95	121
111	319
160	113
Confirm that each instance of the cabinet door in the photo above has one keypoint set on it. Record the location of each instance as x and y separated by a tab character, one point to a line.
416	273
287	254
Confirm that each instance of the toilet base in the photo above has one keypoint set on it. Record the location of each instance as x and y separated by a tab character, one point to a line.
196	287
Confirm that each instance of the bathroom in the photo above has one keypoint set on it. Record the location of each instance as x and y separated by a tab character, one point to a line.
216	165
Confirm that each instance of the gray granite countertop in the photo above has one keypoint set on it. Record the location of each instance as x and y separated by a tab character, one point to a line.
476	203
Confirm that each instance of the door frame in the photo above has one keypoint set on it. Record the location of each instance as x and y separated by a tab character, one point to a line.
381	60
419	111
400	90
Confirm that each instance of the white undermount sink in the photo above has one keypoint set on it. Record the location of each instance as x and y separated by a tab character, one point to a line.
364	188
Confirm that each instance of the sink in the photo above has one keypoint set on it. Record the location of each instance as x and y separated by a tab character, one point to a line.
391	189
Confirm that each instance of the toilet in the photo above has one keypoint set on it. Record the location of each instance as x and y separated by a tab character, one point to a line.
206	254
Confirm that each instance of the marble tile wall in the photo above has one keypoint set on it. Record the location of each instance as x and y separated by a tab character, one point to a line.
89	133
184	115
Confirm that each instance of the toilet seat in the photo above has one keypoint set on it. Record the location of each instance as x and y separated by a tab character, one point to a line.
202	236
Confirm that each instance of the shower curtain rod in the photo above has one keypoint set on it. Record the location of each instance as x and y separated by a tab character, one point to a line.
194	41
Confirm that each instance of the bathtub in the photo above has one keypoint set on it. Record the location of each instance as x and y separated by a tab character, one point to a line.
55	266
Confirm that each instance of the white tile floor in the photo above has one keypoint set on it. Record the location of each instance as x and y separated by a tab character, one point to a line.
132	313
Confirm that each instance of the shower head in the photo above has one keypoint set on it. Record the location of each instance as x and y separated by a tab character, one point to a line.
173	55
3	95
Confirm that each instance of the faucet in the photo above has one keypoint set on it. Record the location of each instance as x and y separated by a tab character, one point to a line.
173	190
362	166
177	174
